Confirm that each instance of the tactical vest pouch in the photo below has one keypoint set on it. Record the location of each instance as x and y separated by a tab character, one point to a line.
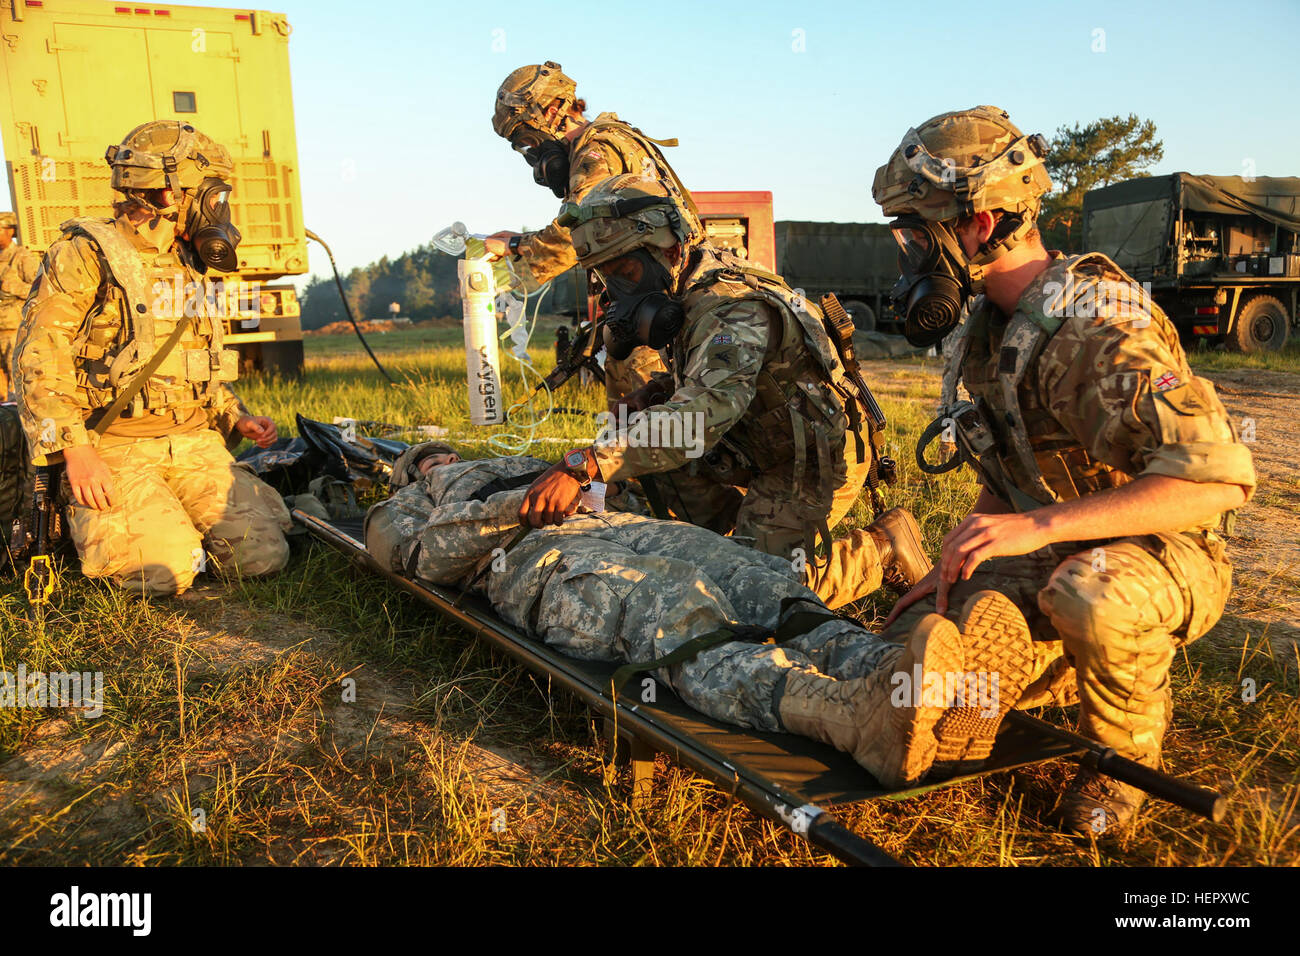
211	365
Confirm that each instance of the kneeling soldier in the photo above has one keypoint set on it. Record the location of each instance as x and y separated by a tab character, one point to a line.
115	376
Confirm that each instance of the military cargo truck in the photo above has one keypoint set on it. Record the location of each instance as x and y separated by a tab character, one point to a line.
858	261
77	75
1221	253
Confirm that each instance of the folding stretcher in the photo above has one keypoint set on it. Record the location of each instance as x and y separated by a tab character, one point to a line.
787	778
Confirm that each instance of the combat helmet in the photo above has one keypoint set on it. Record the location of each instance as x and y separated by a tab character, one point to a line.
964	162
166	154
8	220
524	97
628	212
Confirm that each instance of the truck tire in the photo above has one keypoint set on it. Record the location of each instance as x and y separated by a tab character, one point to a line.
1262	326
864	318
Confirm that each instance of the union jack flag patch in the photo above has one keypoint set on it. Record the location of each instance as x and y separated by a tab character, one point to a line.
1165	382
723	339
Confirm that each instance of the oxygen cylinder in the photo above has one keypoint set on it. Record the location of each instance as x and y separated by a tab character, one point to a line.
482	361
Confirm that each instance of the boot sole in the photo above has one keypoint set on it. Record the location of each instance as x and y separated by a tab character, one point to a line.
996	642
935	647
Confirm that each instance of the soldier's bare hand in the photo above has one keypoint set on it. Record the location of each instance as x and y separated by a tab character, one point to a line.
920	589
88	476
983	536
258	429
551	498
498	244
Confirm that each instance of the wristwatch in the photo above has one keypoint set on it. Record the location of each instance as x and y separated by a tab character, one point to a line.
514	245
575	463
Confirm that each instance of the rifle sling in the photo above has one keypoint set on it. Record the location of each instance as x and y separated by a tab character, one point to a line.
140	379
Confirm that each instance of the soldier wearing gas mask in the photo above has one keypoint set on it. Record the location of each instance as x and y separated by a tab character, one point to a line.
1109	471
539	113
122	375
754	381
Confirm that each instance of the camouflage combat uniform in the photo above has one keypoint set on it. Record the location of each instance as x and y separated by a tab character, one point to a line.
18	268
743	364
606	147
620	587
1102	399
176	488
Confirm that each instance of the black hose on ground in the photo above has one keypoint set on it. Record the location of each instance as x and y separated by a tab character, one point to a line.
348	308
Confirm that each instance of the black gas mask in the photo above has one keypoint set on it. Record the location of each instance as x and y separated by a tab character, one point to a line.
934	284
212	236
641	312
550	162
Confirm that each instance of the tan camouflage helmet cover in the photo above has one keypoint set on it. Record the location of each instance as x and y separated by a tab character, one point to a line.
624	213
8	219
964	162
166	153
525	95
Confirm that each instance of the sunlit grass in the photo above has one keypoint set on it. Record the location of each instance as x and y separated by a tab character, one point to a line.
229	710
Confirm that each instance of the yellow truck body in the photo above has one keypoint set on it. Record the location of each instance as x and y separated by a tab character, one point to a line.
77	75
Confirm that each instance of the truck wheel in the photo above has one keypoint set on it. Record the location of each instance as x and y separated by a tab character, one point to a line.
1261	326
862	315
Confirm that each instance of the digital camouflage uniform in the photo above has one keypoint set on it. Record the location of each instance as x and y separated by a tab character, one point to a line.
176	489
618	587
624	588
1109	398
18	268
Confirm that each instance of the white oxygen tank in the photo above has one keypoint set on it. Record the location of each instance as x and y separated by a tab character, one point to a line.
482	360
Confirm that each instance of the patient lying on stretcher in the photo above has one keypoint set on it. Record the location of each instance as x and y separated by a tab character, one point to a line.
621	587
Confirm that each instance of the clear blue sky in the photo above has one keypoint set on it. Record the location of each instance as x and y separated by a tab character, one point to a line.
393	99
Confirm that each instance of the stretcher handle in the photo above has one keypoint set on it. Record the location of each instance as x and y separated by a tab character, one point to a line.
1190	796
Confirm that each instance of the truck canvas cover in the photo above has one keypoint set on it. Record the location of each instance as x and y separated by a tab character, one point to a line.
850	256
1132	221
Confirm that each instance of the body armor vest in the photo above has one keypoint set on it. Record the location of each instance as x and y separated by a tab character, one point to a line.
141	298
611	128
1034	457
800	405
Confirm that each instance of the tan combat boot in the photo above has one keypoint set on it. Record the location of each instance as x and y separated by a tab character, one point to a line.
1096	805
902	558
998	653
879	719
890	546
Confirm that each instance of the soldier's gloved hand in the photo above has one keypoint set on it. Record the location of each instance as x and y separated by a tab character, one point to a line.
258	429
647	396
90	479
551	498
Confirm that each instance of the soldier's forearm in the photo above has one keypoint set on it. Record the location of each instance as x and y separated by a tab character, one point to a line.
1147	505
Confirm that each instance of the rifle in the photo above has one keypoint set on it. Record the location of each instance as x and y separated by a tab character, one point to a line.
38	580
839	326
581	354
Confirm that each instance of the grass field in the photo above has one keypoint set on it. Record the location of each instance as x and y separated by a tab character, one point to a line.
226	737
